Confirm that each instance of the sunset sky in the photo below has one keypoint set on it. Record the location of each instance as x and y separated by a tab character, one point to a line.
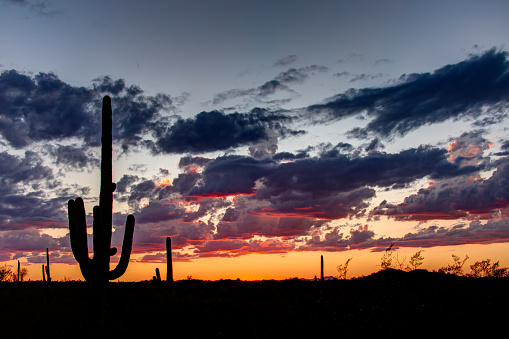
259	135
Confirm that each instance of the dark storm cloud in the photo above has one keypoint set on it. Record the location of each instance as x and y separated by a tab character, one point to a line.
198	161
247	225
453	199
329	187
27	169
233	174
156	212
451	92
125	182
213	131
43	108
343	173
504	148
134	113
335	239
460	197
73	157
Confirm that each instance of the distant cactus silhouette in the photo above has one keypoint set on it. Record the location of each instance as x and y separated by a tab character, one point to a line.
43	274
321	268
97	269
169	261
48	276
157	277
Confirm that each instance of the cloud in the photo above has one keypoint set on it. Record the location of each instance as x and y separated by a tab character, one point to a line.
364	77
27	169
17	2
260	93
335	239
43	108
216	131
231	175
290	59
188	161
27	241
383	61
504	149
73	157
361	237
343	172
332	186
453	199
271	87
469	196
294	75
455	91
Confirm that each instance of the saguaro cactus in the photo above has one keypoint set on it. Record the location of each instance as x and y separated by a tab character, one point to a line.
169	261
157	277
48	276
321	268
97	269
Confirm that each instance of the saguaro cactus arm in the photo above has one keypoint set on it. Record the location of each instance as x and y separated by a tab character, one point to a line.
126	250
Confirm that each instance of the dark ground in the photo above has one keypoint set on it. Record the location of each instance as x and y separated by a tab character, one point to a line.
387	303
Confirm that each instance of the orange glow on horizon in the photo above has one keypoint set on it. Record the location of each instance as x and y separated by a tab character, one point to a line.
304	264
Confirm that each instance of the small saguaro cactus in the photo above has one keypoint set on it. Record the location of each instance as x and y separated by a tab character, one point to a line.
97	269
169	261
43	274
321	268
48	276
157	277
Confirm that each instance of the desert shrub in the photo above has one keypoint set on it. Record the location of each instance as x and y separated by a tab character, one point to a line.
5	273
455	268
342	270
387	258
485	268
415	261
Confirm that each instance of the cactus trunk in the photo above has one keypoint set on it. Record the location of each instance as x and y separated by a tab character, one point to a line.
321	268
97	269
169	261
157	276
48	276
43	274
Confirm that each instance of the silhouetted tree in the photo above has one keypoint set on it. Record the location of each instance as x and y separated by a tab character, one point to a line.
456	268
484	268
387	257
5	273
415	261
343	269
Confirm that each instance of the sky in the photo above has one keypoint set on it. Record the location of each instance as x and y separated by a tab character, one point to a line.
258	135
